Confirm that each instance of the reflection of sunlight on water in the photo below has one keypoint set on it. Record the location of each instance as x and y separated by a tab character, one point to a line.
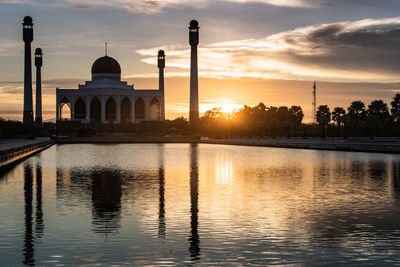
224	172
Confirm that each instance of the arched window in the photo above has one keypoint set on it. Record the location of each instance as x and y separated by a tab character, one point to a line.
126	109
140	109
111	110
80	109
95	110
64	109
155	109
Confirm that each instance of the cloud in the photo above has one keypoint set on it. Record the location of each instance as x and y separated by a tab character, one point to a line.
364	50
153	6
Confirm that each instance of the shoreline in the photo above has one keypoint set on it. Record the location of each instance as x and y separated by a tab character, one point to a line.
21	149
382	145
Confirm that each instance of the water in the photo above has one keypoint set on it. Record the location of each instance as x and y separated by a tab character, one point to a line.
145	204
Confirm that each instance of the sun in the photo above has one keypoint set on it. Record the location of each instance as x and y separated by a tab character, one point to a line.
226	107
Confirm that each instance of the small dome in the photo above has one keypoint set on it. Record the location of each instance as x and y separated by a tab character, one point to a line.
38	51
194	24
161	53
28	20
106	65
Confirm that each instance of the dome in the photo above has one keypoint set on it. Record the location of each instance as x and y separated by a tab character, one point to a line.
106	65
38	51
194	24
28	20
161	53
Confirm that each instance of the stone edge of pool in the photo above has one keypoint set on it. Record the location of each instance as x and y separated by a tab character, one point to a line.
11	156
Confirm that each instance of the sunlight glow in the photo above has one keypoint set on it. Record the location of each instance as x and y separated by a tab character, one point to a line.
225	107
224	171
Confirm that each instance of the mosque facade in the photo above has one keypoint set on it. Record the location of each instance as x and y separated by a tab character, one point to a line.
108	100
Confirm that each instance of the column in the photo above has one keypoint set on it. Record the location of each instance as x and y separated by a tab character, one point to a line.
103	110
133	109
72	108
87	106
147	109
118	109
57	106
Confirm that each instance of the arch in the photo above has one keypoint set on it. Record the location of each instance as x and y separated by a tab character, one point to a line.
64	114
111	110
80	109
126	108
140	109
155	109
95	110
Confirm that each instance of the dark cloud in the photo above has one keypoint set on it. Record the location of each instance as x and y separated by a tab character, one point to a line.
364	50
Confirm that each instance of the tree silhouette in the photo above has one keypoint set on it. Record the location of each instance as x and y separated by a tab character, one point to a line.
377	116
356	114
323	118
395	110
296	117
339	117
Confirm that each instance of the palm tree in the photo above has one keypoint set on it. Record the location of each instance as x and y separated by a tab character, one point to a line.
296	116
377	116
339	116
356	114
323	118
395	110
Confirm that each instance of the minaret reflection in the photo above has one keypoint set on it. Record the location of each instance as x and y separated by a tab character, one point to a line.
194	248
161	193
396	179
29	247
39	227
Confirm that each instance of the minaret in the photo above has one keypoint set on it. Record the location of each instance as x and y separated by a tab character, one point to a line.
161	66
38	64
194	82
28	103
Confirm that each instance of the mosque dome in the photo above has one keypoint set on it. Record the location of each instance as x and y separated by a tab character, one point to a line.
107	65
106	68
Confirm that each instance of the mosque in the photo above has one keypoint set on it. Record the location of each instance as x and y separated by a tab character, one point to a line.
108	100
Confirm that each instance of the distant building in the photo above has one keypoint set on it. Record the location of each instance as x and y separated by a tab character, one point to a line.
108	100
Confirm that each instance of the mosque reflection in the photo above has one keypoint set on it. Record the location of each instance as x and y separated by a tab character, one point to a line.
105	190
161	193
194	239
30	236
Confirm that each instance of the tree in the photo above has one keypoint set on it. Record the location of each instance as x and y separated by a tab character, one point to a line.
377	116
356	112
356	115
395	110
296	116
339	116
284	120
323	118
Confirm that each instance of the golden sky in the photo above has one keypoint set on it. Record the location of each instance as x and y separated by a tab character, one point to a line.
250	51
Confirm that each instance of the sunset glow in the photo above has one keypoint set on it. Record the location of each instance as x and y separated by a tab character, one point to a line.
225	107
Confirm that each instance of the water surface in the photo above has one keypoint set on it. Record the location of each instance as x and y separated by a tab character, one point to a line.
145	204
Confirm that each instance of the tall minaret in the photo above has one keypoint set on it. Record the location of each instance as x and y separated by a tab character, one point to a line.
194	81
38	64
28	103
161	66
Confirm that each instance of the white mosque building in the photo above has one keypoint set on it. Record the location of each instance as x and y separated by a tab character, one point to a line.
108	100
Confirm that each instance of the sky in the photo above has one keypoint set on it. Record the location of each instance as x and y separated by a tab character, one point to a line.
250	51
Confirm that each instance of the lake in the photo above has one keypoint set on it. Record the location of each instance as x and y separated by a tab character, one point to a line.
182	204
